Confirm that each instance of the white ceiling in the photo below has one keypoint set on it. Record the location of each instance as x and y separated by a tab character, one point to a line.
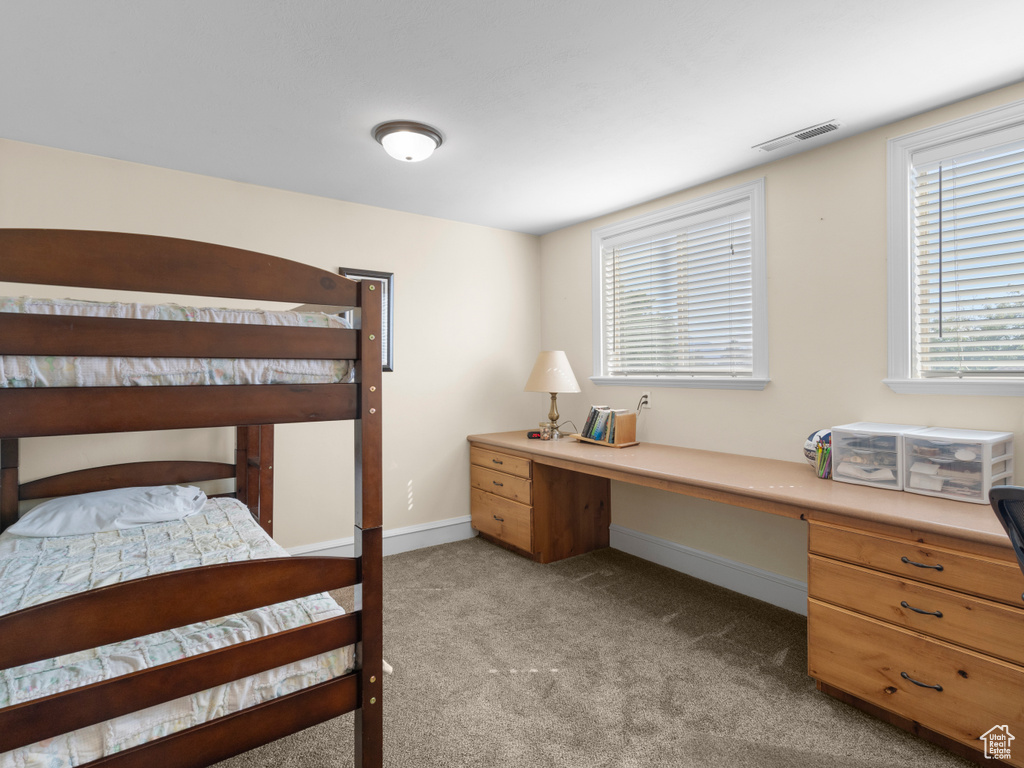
553	111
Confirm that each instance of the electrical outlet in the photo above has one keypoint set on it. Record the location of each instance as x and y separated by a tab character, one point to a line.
645	401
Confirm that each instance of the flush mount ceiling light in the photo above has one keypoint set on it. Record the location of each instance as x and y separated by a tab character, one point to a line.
407	141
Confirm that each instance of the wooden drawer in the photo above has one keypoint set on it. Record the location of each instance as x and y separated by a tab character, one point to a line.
511	487
993	579
979	624
869	659
502	462
502	518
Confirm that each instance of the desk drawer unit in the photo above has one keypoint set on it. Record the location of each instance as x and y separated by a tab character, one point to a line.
926	633
501	497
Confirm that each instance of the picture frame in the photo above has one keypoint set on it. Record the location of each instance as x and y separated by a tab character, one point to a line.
387	280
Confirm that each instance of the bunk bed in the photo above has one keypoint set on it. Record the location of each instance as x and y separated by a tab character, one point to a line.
67	627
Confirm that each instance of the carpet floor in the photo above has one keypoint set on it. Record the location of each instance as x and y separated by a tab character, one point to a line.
599	661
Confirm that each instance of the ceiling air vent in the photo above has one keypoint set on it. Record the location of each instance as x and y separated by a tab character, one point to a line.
802	135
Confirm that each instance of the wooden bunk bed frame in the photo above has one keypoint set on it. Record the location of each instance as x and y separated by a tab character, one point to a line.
135	608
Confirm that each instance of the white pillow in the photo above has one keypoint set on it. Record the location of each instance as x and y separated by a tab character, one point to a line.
110	510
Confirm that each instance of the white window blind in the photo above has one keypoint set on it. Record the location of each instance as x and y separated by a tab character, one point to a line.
969	264
956	256
679	302
677	294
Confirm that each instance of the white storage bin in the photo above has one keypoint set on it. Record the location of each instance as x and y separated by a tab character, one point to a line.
960	464
867	453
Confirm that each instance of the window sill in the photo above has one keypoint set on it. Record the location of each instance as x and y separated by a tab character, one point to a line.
993	387
692	382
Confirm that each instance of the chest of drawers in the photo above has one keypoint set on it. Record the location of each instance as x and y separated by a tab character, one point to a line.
539	511
930	634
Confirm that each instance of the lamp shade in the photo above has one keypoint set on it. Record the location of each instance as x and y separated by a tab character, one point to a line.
552	373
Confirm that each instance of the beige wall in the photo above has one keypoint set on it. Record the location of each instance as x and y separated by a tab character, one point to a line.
826	228
467	327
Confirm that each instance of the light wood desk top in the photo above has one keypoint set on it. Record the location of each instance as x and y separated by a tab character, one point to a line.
780	487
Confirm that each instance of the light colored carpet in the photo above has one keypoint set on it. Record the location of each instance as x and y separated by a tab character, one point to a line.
599	661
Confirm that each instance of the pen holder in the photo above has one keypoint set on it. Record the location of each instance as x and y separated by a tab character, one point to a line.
818	452
823	467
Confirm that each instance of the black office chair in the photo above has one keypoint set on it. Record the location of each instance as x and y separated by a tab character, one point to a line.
1008	503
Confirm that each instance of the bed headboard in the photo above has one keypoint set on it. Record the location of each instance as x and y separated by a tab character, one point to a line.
146	263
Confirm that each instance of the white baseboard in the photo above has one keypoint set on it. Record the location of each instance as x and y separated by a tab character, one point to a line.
397	540
782	591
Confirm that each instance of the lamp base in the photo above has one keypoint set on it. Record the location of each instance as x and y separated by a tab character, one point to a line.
552	422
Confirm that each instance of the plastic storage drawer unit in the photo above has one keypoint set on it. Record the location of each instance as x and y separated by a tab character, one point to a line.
960	464
867	453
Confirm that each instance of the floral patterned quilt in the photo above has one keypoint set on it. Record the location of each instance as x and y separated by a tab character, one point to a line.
35	570
57	371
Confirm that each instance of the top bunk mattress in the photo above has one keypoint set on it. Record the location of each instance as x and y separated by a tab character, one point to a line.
74	371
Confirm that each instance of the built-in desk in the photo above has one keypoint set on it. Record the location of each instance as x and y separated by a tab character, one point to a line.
780	487
915	609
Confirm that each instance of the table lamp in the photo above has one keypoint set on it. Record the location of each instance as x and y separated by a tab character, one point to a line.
553	374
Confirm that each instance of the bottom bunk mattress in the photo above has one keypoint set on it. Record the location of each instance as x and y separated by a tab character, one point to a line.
36	570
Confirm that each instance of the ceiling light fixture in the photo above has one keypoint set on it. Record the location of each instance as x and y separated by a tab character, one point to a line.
407	141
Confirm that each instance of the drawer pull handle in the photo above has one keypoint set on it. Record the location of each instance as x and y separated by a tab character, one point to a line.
499	519
905	676
907	560
497	461
500	485
937	614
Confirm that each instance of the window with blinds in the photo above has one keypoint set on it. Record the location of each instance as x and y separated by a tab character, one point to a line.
956	256
679	294
969	264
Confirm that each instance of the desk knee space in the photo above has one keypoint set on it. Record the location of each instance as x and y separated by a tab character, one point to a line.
572	512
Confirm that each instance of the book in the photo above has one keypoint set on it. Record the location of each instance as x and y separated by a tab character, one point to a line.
588	426
613	418
601	424
588	423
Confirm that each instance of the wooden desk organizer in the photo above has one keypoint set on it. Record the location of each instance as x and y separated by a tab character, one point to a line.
625	433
